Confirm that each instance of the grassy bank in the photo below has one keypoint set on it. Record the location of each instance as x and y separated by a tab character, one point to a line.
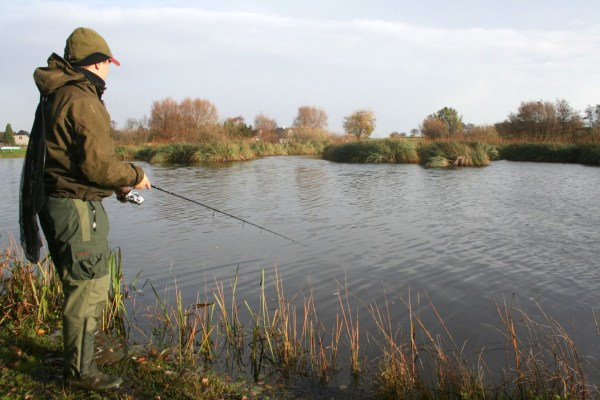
431	154
187	153
31	346
588	154
14	153
278	341
439	154
443	154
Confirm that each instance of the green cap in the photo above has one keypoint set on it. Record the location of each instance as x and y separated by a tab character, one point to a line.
85	47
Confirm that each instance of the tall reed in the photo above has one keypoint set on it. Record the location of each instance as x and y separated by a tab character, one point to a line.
373	151
30	294
282	336
454	154
115	313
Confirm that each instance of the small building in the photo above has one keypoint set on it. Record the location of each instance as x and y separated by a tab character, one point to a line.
22	138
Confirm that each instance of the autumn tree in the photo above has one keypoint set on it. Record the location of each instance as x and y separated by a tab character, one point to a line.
266	128
434	127
9	135
360	123
189	120
453	121
568	120
196	114
542	119
311	118
533	119
164	119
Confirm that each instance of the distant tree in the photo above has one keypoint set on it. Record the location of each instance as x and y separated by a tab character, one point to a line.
133	124
534	118
9	135
196	114
452	120
135	131
542	119
568	120
266	128
189	120
311	118
130	124
592	117
504	128
395	135
434	127
164	119
360	123
414	132
236	127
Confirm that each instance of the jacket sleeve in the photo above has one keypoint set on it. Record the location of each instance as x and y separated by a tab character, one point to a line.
95	149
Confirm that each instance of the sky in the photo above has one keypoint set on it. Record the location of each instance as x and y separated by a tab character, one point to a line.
403	60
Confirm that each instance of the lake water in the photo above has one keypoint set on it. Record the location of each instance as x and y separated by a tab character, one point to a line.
466	238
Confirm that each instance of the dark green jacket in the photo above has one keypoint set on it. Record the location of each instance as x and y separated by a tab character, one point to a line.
80	157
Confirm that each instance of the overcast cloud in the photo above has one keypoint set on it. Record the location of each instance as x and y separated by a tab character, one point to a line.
250	57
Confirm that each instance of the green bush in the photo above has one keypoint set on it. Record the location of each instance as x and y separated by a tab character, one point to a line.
589	154
540	152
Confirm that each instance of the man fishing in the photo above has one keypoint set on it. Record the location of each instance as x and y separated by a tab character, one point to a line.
69	168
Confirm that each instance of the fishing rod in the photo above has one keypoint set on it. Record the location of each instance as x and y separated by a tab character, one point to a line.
262	228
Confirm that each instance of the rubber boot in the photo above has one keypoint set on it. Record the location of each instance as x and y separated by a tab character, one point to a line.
90	376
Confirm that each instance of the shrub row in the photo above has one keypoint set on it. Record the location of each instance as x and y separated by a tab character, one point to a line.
444	154
588	154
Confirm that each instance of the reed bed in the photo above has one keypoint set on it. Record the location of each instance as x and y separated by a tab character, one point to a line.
455	154
373	151
438	154
217	151
459	153
277	337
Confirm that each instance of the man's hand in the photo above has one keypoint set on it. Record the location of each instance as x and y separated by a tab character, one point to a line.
121	193
144	184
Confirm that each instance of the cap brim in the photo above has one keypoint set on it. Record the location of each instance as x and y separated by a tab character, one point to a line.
114	61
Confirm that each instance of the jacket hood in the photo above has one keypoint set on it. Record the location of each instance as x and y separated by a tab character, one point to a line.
57	74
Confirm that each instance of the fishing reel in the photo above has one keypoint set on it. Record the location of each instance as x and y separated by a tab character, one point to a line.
132	197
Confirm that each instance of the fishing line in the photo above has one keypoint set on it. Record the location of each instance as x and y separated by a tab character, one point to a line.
214	210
